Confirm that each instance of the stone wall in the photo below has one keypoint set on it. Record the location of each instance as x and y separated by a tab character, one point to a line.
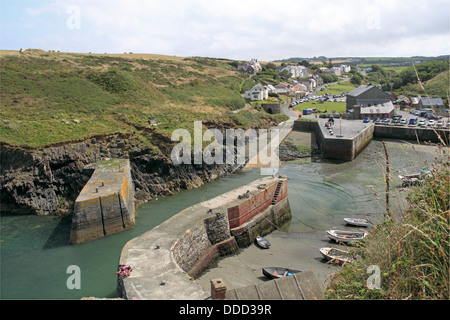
272	108
411	133
106	203
187	244
345	149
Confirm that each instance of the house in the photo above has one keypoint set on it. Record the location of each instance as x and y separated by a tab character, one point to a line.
299	88
258	92
295	71
309	83
382	110
251	67
335	70
284	88
345	68
367	95
271	88
425	102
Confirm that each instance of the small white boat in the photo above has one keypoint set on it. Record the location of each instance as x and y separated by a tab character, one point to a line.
357	222
346	236
336	255
262	242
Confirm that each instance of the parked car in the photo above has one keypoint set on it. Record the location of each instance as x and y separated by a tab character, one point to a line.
412	121
439	123
403	121
366	120
421	123
385	121
431	123
323	115
376	119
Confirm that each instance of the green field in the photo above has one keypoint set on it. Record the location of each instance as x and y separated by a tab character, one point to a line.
325	106
338	88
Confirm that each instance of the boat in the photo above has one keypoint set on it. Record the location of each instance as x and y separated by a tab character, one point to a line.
357	222
346	236
414	179
336	255
278	272
262	242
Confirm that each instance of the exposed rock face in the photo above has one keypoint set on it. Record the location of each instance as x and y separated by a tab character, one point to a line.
48	181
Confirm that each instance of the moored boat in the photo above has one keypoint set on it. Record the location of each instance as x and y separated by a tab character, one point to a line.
357	222
336	255
262	242
278	272
346	236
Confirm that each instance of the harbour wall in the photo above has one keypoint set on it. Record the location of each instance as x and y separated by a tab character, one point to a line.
334	147
412	133
168	258
106	203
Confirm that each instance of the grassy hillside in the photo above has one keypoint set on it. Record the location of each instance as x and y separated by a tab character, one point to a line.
435	87
54	97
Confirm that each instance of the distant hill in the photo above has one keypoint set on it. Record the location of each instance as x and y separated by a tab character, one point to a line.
52	97
384	61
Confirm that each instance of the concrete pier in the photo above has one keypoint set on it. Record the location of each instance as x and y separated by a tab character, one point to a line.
348	139
166	259
106	203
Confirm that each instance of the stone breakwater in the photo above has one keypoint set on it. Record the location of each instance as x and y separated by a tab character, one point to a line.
105	204
166	259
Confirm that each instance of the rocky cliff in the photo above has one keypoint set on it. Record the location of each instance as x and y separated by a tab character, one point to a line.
47	181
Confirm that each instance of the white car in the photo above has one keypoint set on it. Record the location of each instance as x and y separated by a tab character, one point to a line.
403	121
431	123
421	123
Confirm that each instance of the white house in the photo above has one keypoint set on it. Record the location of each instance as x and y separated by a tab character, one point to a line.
345	68
296	71
251	67
258	92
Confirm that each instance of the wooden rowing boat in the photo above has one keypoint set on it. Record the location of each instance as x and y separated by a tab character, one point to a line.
262	242
336	255
278	272
357	222
346	236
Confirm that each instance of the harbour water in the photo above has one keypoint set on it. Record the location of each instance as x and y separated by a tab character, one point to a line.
35	253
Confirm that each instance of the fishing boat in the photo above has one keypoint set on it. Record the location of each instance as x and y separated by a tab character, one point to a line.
357	222
336	255
346	236
278	272
262	242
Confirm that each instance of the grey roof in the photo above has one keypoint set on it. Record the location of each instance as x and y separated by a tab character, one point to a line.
361	89
381	108
431	101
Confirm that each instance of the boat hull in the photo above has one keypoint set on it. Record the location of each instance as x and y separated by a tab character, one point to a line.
345	236
357	222
335	255
278	272
262	243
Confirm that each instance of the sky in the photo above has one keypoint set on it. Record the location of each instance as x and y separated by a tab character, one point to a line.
235	29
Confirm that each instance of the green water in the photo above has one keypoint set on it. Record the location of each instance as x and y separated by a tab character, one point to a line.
35	254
